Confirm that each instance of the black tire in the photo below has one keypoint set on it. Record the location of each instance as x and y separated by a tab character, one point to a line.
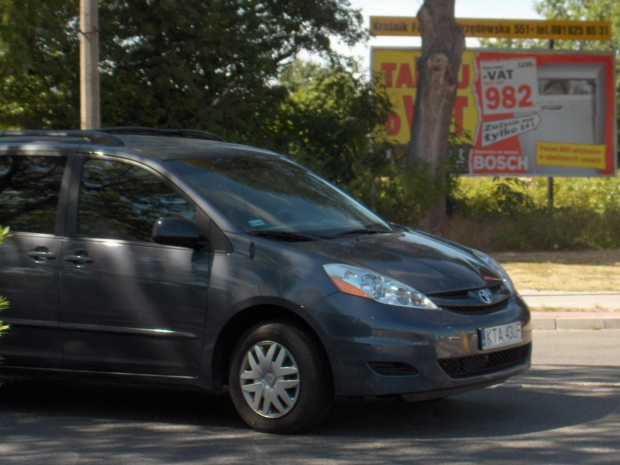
291	391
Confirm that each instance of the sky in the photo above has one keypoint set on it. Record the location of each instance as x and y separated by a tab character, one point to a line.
515	9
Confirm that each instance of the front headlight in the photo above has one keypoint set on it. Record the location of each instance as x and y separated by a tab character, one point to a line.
495	266
361	282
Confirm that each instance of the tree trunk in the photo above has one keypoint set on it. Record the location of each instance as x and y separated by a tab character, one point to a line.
443	43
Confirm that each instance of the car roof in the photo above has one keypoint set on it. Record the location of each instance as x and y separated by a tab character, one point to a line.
167	148
160	144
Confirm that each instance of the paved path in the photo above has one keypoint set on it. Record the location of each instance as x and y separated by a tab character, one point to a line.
589	310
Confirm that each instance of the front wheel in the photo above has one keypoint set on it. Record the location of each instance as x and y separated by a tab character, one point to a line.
279	380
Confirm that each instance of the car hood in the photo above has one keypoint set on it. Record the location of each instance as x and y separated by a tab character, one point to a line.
429	264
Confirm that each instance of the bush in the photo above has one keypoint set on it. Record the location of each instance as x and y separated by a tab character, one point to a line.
400	194
512	214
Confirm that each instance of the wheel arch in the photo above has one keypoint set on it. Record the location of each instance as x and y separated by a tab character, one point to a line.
244	320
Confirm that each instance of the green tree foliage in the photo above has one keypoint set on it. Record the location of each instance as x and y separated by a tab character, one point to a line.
207	64
331	122
39	67
327	121
4	304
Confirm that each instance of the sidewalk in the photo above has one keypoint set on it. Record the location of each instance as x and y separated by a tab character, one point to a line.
588	310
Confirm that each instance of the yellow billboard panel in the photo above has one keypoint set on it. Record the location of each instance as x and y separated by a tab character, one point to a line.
574	155
399	68
500	28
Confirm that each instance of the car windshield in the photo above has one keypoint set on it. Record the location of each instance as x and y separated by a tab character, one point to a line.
272	195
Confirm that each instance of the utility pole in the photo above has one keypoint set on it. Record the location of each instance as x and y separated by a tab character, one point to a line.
89	65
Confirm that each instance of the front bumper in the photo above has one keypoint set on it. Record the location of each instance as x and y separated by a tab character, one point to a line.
378	350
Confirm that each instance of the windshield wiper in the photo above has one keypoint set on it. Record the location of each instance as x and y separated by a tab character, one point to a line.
286	235
361	231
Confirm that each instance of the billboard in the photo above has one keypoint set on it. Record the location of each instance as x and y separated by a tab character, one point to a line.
544	113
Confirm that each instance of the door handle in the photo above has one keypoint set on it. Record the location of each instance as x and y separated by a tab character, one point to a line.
41	254
80	258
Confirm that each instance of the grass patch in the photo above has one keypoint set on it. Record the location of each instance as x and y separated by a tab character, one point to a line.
583	271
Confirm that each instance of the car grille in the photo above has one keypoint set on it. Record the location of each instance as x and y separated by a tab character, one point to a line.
473	365
467	301
477	309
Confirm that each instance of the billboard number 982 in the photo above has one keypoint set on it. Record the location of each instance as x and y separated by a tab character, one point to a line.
508	97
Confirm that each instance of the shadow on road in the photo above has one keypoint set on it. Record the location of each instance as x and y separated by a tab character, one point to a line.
541	400
119	424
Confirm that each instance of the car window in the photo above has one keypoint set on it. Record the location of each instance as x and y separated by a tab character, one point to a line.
265	194
29	191
122	201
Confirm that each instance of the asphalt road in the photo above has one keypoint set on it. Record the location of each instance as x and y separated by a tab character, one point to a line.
565	410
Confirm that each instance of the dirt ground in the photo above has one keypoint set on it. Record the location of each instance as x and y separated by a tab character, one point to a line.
571	257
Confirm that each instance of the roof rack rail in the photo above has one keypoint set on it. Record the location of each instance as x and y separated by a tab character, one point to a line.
92	136
141	131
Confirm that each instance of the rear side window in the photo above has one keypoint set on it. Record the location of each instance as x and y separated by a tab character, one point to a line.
29	191
122	201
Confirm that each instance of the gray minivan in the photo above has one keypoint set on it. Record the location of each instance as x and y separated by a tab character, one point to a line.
171	256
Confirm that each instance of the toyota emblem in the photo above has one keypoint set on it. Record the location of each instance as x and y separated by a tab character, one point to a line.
485	295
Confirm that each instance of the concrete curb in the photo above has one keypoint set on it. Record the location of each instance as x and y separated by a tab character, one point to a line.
589	310
551	323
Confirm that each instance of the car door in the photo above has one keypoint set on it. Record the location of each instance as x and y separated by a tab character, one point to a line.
128	304
30	190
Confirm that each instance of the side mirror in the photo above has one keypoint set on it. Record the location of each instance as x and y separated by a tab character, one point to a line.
177	231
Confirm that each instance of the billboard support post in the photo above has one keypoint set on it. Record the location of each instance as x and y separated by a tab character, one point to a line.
550	179
550	194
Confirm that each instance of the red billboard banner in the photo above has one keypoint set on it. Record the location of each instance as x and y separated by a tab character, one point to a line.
535	113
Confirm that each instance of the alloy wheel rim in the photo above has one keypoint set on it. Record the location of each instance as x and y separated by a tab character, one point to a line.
270	379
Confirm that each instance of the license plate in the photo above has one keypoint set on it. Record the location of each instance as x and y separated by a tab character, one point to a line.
500	336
